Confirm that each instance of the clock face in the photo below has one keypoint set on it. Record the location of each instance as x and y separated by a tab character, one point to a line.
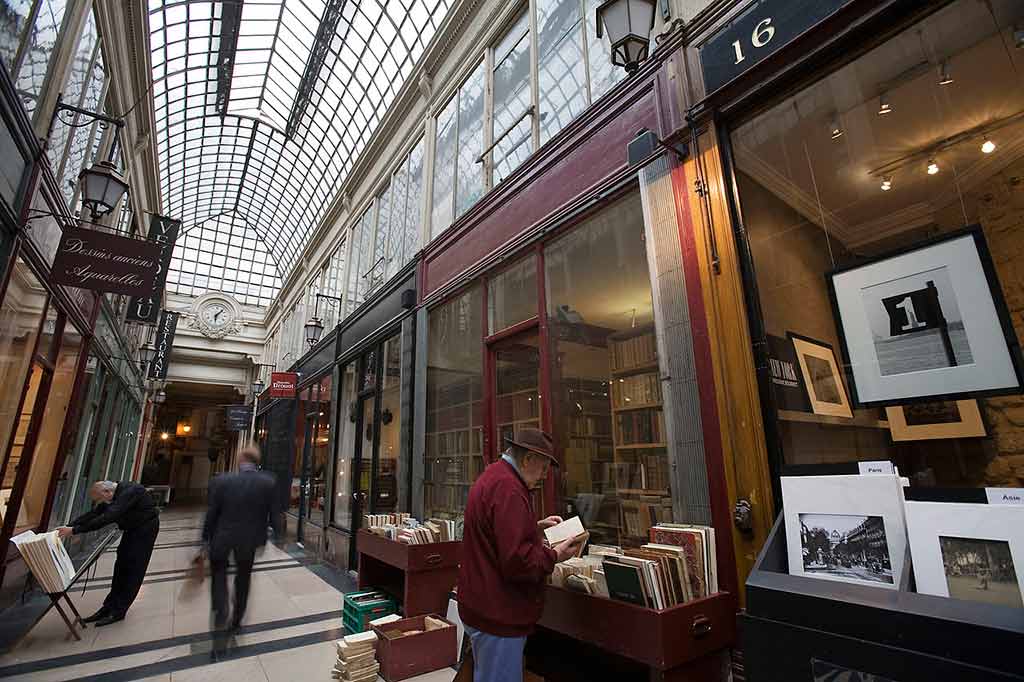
217	314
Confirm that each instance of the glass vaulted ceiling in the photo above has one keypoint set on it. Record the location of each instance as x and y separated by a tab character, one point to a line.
262	108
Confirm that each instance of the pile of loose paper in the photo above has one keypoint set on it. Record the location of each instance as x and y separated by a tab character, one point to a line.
47	559
357	658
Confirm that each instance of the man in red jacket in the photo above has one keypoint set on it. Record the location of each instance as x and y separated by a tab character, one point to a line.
504	560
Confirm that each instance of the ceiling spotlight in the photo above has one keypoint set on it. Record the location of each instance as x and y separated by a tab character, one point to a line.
933	167
834	129
988	146
164	435
886	183
883	104
944	77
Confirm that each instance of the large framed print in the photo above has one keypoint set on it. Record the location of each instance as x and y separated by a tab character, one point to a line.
935	421
846	528
928	323
968	551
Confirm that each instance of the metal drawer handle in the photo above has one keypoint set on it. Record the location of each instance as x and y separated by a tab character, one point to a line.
701	627
433	559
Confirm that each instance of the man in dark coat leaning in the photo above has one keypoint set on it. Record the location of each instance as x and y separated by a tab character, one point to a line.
242	505
127	504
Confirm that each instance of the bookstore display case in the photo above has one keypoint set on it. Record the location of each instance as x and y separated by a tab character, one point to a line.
420	577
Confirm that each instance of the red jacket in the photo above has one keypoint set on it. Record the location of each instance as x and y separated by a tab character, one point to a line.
504	562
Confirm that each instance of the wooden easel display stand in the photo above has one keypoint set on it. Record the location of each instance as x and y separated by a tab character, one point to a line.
681	644
420	576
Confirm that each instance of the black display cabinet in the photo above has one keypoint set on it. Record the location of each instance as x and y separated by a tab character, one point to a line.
797	628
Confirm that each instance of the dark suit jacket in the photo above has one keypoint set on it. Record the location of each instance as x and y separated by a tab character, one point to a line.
242	505
131	508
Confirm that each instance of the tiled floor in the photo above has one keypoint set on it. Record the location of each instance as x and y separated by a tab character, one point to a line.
289	630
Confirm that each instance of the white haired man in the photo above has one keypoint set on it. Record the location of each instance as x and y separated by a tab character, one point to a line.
127	504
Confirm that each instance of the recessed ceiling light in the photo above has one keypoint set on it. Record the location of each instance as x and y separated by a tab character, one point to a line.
944	77
883	104
988	146
933	167
886	183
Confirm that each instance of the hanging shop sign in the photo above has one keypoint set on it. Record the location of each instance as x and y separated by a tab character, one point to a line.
761	30
282	384
238	417
105	262
146	309
164	341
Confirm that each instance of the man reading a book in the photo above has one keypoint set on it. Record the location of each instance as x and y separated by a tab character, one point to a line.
129	506
504	560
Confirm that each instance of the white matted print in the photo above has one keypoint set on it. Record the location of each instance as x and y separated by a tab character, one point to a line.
926	323
968	551
846	528
822	376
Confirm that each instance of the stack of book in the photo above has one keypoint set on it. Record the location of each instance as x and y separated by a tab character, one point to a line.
357	658
677	567
47	559
381	520
635	352
443	529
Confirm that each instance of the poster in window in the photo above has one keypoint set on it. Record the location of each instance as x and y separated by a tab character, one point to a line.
927	323
785	376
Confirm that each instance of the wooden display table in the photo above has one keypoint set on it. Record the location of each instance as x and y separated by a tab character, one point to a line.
419	576
683	643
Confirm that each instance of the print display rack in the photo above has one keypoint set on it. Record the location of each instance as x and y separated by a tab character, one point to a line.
585	637
800	628
420	577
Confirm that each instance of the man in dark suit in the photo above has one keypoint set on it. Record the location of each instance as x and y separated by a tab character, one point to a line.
242	505
127	504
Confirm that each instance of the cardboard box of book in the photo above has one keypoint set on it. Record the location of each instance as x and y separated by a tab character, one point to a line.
414	646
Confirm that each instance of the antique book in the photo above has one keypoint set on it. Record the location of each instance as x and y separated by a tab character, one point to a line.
692	541
678	555
566	530
625	582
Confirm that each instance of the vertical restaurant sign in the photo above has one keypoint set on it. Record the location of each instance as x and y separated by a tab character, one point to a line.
764	28
283	384
164	341
105	262
146	308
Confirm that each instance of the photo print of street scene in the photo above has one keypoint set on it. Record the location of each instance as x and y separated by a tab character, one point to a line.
849	546
916	324
980	570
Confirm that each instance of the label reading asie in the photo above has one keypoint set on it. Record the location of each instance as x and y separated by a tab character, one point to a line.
1005	495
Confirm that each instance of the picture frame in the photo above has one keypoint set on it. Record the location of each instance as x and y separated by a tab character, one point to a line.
846	528
935	421
968	551
787	382
926	323
822	376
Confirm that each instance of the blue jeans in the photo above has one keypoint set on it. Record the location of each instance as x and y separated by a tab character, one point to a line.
496	659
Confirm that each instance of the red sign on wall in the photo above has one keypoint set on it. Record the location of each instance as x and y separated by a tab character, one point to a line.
282	384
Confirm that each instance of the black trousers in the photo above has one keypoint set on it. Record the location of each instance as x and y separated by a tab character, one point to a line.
244	558
133	555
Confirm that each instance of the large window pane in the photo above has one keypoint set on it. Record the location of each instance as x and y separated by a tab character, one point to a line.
382	240
826	181
514	141
512	295
603	74
605	380
66	485
346	435
414	203
12	29
445	152
454	426
562	76
388	478
72	91
40	44
470	176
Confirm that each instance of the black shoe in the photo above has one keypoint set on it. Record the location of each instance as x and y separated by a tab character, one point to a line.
111	618
99	615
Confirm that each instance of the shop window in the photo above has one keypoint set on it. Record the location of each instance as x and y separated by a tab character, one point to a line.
92	387
386	486
913	141
346	435
512	295
454	422
606	390
21	315
511	127
321	435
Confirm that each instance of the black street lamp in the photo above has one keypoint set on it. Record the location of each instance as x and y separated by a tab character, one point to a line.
257	383
102	189
628	24
315	327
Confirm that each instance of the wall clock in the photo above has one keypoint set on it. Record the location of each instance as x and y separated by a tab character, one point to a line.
216	316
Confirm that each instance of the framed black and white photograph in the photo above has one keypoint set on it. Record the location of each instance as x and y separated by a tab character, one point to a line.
973	552
928	322
822	377
846	528
935	421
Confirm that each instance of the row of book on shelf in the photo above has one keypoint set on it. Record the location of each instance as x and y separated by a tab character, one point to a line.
640	389
678	565
648	472
445	496
640	427
588	425
463	442
635	352
453	469
408	530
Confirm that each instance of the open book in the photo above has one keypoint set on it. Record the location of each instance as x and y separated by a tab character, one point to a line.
47	559
570	529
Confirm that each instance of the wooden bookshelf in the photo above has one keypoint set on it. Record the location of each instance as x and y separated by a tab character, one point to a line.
453	455
639	438
588	450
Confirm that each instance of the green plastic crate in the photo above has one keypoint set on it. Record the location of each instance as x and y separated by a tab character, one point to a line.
362	607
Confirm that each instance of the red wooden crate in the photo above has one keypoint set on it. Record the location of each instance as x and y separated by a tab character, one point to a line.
403	657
